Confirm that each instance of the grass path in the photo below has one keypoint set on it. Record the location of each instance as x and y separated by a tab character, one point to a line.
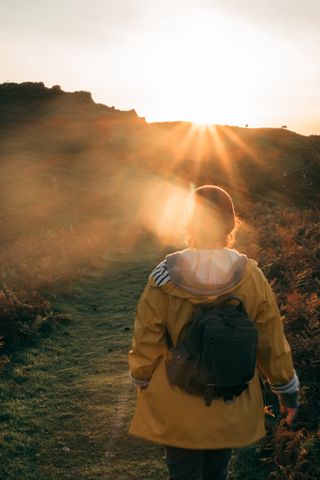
66	401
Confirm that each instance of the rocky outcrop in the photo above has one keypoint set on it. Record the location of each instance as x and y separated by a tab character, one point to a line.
27	101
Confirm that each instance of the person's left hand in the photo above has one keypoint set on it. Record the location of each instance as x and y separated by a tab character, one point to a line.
290	414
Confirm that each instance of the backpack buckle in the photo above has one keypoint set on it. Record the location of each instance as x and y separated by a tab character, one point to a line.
208	394
228	399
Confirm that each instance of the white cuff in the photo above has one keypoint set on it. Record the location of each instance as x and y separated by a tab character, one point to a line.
139	383
290	387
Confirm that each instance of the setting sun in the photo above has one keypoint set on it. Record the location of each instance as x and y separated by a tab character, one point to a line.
204	88
203	75
206	62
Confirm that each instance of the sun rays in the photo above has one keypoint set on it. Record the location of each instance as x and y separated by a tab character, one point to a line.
221	146
197	154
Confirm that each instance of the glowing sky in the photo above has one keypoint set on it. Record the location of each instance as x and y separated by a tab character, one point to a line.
234	62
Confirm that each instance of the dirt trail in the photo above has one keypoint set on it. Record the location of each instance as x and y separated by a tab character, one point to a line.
67	401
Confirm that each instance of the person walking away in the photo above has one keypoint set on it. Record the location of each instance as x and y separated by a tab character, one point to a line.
199	439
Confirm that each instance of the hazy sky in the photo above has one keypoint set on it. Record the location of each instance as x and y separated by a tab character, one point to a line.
222	61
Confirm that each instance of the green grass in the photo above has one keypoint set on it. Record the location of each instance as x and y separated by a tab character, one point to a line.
246	464
67	399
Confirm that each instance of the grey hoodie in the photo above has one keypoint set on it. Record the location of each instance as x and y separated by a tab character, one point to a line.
202	272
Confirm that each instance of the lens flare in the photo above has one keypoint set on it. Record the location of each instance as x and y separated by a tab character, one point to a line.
162	210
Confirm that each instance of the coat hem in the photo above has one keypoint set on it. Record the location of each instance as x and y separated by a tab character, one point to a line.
198	446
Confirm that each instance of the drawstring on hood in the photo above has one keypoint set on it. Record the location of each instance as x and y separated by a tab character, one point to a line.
206	272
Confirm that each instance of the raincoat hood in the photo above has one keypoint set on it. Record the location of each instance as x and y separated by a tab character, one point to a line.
206	272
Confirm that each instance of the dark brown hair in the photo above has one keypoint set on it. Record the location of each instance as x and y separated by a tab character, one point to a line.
210	218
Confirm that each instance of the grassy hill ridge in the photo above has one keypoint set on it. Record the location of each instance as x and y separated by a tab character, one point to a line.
65	159
72	183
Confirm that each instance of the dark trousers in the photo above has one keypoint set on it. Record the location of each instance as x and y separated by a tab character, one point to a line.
186	464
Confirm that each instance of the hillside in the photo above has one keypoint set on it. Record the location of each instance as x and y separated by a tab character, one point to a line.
28	101
91	199
64	158
67	398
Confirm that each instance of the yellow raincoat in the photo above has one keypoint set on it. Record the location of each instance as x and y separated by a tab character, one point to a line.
166	414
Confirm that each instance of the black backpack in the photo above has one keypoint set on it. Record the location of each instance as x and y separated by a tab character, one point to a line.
216	356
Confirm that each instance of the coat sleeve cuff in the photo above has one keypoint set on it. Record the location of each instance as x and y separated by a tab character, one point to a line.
288	388
139	383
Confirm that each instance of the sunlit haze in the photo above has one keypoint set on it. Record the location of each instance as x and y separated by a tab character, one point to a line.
239	62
